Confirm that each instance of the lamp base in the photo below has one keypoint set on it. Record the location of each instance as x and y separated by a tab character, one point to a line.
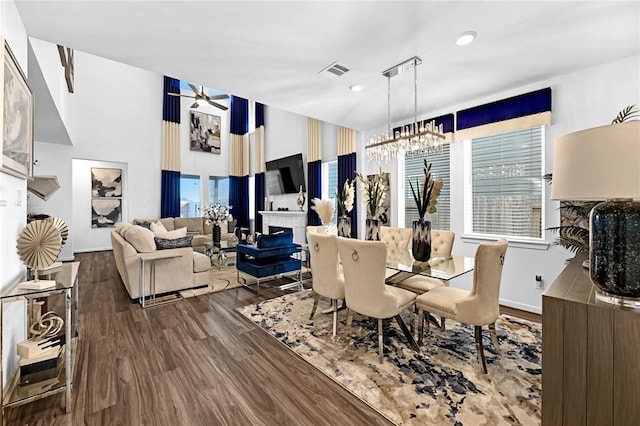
615	248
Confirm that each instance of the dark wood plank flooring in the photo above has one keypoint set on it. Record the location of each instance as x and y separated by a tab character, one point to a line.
193	362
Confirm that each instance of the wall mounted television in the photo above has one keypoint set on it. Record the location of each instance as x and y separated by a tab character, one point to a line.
285	175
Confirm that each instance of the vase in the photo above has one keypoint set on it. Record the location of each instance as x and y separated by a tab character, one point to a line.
216	235
421	244
301	199
344	226
372	230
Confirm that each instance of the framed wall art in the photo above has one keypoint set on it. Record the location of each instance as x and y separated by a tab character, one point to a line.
204	135
105	212
106	182
17	119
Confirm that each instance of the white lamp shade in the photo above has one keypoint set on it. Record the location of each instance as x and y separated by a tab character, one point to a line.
598	164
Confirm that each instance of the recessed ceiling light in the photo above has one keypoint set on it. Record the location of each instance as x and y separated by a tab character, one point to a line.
466	37
356	88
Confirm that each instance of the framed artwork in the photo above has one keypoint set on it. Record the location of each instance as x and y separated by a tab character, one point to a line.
384	215
204	135
17	119
106	182
105	212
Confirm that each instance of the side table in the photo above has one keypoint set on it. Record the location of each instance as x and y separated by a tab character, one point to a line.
151	257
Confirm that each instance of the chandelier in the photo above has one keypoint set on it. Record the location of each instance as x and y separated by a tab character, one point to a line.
416	139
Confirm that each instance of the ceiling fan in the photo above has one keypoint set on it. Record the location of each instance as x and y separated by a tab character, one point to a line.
201	97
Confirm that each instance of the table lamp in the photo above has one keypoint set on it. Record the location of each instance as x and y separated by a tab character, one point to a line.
603	163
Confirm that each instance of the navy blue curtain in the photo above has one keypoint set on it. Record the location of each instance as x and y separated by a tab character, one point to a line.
505	109
347	170
239	185
260	193
314	189
170	180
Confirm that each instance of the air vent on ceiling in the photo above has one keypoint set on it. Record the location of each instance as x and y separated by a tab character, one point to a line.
334	70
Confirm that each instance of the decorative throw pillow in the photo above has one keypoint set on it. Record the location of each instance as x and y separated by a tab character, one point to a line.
171	243
140	238
145	225
274	240
178	233
157	227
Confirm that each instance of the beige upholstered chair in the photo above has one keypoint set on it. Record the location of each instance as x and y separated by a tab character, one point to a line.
398	241
441	246
478	307
365	290
327	278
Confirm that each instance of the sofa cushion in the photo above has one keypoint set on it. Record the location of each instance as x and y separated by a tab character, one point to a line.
140	238
200	240
169	223
157	227
121	228
171	243
201	262
275	240
176	233
194	225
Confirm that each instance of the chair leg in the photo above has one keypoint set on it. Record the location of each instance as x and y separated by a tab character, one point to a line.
479	348
442	320
411	321
335	317
316	298
407	333
380	339
349	320
494	337
420	326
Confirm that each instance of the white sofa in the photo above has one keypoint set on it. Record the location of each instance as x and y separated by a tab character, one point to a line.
188	269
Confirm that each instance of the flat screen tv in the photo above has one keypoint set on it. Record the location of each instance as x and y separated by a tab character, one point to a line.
285	175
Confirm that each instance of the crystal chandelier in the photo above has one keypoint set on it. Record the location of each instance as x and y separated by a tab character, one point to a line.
415	139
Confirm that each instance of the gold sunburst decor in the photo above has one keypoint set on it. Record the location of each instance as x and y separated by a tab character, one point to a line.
60	226
38	247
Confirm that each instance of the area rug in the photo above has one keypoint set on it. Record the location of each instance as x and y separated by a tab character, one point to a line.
219	279
443	384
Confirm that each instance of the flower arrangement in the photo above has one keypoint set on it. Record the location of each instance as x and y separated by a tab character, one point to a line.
346	198
428	192
217	214
324	209
373	192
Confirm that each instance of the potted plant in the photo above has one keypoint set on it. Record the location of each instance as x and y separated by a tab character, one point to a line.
425	195
373	192
345	205
218	215
324	209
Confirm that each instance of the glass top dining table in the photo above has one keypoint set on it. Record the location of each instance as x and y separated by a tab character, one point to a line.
436	267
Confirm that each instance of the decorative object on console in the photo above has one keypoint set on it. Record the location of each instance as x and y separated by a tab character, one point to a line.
425	195
324	209
17	119
418	138
373	192
301	199
345	204
603	163
38	247
218	215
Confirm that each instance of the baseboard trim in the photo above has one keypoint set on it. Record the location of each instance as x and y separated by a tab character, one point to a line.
89	250
521	306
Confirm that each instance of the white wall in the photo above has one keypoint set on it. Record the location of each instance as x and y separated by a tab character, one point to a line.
583	99
13	215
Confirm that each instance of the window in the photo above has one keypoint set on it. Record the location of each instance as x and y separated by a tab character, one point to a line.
219	190
189	196
413	169
330	185
504	185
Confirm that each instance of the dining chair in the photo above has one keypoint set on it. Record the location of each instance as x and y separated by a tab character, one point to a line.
478	307
327	279
365	290
398	241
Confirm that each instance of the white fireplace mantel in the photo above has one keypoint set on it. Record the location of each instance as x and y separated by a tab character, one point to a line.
295	220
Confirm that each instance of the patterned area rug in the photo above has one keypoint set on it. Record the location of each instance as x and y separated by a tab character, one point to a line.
442	385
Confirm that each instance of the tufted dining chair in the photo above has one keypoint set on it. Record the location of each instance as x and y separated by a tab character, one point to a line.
365	290
327	276
398	241
478	307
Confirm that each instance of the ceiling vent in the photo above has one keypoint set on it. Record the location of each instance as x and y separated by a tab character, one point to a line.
334	70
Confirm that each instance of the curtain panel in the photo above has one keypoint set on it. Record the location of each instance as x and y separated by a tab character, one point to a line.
170	179
239	160
259	180
347	170
314	189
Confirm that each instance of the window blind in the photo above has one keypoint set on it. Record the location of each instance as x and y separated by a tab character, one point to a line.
333	188
413	169
506	184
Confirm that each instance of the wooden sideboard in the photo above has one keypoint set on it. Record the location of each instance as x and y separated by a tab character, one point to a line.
590	355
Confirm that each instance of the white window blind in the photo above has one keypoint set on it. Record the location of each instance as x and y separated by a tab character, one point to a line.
504	190
330	185
413	169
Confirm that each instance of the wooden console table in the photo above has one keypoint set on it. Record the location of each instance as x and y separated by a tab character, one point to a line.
590	355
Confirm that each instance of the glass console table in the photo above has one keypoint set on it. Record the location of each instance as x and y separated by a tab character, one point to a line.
66	277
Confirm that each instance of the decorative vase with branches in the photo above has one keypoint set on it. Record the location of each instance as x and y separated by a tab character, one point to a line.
425	195
345	201
373	192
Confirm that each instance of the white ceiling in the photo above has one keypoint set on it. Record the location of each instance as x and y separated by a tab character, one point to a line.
272	52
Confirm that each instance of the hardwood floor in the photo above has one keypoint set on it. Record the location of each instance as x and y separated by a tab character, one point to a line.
193	362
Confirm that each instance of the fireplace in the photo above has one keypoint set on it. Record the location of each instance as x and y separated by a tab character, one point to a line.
274	229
